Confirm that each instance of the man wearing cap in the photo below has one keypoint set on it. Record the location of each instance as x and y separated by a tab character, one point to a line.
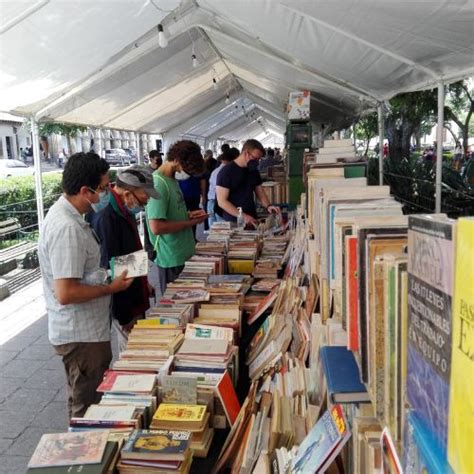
168	219
117	229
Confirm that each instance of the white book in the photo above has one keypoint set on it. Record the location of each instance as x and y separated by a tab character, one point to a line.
136	264
119	412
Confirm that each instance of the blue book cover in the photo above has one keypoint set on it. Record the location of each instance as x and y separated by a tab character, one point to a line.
421	450
430	289
342	375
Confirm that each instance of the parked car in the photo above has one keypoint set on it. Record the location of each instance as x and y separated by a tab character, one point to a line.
9	168
117	156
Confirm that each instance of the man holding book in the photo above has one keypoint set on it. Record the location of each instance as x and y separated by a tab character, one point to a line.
168	219
75	287
239	181
116	227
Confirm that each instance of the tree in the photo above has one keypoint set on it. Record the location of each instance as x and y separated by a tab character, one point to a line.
459	108
408	112
68	130
366	129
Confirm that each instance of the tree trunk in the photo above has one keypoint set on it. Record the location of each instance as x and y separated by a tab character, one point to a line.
398	136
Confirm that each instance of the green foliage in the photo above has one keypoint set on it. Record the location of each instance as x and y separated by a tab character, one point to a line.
66	129
412	182
366	129
18	197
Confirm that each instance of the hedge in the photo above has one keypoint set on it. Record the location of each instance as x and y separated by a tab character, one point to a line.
18	196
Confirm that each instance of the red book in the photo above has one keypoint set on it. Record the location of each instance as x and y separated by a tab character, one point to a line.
352	306
228	398
263	305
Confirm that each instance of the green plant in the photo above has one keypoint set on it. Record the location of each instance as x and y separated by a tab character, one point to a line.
412	182
18	197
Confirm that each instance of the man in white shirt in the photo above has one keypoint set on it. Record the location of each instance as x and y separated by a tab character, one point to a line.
75	288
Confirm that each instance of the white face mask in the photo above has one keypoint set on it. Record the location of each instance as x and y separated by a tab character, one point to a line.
181	175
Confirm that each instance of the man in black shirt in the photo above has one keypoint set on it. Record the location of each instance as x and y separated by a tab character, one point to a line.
239	181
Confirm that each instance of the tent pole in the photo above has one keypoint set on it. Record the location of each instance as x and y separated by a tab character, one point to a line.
381	139
37	166
138	141
439	146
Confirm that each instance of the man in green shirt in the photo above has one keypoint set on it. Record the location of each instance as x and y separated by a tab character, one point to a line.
169	222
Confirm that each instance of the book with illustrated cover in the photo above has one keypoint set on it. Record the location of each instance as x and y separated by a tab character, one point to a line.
102	467
204	331
184	413
136	264
157	444
323	442
182	390
187	296
63	449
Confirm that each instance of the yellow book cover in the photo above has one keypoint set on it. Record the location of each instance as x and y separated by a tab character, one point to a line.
241	266
178	412
461	404
153	323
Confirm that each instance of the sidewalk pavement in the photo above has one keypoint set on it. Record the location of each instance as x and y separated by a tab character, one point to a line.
32	387
32	380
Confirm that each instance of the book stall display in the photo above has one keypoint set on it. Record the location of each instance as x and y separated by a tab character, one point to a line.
338	342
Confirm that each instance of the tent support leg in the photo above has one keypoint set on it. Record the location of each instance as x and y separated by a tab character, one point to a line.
439	146
37	166
381	139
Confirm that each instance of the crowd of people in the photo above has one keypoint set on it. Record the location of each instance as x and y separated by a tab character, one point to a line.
94	221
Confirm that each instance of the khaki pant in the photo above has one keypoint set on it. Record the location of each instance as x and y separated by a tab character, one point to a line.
85	364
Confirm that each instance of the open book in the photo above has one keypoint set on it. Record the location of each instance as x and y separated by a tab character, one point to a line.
136	263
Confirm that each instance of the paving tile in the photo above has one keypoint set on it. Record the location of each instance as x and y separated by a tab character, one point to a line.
37	352
13	423
53	416
26	443
44	379
21	368
18	343
8	385
61	396
54	363
29	400
6	356
5	444
13	464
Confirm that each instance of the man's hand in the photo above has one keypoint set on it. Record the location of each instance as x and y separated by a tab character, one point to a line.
121	283
249	220
274	210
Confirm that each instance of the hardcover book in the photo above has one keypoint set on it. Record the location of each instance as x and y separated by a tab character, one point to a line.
342	375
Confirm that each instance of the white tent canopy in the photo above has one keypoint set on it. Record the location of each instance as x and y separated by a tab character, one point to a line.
98	63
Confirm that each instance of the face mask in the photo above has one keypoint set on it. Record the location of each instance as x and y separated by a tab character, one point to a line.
103	202
136	210
252	165
181	175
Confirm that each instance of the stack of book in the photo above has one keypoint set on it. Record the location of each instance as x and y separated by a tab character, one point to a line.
242	253
156	451
88	451
172	314
226	314
187	293
152	334
208	350
192	418
266	268
265	285
213	246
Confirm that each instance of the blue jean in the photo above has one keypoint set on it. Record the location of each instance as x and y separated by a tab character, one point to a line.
213	217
